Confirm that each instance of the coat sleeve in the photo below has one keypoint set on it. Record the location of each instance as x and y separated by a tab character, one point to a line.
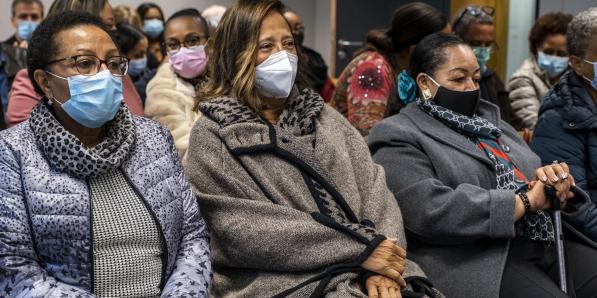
170	107
552	142
524	101
22	99
192	273
21	274
437	213
248	231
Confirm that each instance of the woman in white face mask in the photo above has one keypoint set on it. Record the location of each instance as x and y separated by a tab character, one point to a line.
294	202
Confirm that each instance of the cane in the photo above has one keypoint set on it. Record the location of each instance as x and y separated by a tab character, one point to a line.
557	224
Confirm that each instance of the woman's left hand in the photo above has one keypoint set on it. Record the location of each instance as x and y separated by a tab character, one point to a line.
557	176
379	286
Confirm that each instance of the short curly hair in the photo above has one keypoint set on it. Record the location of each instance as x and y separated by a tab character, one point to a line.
581	30
547	25
42	46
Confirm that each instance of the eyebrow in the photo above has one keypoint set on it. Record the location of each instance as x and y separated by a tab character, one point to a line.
463	70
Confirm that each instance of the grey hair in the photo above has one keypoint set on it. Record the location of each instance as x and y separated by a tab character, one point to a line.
580	31
467	19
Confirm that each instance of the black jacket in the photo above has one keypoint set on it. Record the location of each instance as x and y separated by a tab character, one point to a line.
567	132
494	91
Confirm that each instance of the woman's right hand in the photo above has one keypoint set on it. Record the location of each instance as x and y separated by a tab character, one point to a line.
388	259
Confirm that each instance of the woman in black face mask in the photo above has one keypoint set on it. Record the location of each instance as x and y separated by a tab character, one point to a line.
472	192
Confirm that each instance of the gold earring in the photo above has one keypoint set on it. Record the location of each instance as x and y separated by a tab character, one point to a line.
426	94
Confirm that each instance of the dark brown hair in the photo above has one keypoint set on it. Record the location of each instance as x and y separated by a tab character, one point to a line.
410	23
547	25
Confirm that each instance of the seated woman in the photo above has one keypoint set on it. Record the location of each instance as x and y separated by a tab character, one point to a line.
171	93
472	193
568	116
537	74
94	199
366	89
295	205
133	43
22	94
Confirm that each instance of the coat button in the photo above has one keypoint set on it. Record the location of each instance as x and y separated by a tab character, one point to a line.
285	140
506	148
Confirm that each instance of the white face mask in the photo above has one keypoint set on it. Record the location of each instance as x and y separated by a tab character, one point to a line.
275	76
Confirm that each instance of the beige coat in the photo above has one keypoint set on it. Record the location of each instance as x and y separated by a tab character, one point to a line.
170	101
527	86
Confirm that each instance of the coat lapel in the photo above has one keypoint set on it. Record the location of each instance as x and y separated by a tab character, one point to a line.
445	135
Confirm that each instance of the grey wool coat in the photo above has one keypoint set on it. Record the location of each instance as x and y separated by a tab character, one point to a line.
457	222
294	208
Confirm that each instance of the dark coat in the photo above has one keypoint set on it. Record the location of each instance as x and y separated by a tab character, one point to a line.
567	131
494	91
458	224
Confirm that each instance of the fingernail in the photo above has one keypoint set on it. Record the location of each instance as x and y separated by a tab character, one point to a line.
564	176
544	178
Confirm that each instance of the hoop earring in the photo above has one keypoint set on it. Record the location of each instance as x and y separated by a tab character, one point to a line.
427	94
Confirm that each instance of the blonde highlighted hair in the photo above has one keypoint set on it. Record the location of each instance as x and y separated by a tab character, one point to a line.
232	52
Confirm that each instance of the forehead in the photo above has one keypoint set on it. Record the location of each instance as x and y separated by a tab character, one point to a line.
477	31
555	40
27	8
86	37
459	56
274	23
182	26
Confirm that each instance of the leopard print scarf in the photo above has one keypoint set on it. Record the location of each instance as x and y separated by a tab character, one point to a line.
66	153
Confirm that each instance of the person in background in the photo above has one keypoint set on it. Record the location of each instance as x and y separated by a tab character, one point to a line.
171	93
366	91
473	194
153	26
295	205
95	202
23	96
541	71
213	15
566	128
124	13
25	16
475	26
316	70
133	43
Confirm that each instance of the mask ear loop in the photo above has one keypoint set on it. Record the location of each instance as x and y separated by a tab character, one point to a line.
53	98
427	93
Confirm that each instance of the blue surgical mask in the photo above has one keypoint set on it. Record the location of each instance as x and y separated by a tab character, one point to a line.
552	65
94	100
483	54
594	81
137	66
153	27
25	29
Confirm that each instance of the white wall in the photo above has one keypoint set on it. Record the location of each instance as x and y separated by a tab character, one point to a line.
569	6
315	15
520	21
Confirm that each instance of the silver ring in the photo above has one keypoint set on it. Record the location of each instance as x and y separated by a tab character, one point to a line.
555	162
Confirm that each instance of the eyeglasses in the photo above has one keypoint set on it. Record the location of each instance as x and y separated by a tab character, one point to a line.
173	46
89	65
474	11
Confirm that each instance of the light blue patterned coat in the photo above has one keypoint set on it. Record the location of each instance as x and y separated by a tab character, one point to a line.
45	236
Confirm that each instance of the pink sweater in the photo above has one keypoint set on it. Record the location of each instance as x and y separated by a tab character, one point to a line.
22	98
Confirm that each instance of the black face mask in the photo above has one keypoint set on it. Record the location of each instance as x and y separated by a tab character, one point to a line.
462	102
